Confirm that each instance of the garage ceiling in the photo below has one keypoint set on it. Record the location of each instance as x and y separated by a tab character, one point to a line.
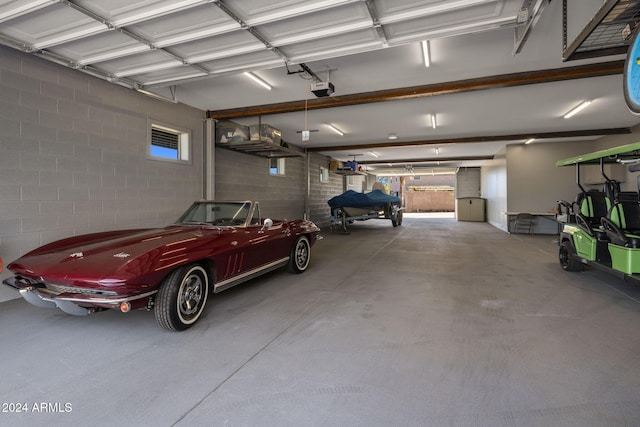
482	94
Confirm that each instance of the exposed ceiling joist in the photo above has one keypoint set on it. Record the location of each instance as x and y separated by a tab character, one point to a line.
448	88
429	160
474	139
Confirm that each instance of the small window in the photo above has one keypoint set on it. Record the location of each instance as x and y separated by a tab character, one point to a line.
324	174
169	143
276	166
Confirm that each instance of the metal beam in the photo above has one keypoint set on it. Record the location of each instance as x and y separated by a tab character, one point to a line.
460	86
468	140
429	160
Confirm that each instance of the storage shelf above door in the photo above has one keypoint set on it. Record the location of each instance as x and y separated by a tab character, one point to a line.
262	148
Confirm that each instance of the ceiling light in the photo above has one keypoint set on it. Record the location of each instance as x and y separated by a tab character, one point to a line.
393	136
374	154
529	141
575	110
258	80
432	120
437	150
335	129
426	57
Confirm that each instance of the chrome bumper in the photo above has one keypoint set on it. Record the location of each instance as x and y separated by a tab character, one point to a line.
40	296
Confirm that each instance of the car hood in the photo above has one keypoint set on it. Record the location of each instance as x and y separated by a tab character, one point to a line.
117	255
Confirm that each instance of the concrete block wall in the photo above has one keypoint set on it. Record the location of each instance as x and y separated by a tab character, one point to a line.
319	210
73	156
241	176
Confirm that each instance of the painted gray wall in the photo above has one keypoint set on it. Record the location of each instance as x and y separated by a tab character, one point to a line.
527	180
73	157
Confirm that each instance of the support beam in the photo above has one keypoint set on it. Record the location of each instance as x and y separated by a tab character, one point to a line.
468	140
460	86
429	160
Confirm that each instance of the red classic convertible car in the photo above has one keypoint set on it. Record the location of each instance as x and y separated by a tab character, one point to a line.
212	247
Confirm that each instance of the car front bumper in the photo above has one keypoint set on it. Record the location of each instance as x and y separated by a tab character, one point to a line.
74	301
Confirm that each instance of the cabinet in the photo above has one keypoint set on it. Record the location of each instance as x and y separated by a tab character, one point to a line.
470	209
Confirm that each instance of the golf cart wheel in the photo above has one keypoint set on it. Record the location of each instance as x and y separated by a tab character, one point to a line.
568	258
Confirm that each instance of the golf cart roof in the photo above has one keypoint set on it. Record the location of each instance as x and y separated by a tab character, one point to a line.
610	155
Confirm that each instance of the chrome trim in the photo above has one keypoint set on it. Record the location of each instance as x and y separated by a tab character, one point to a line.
110	301
34	297
236	280
47	298
73	309
61	289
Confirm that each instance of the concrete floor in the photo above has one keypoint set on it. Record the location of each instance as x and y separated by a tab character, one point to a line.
435	323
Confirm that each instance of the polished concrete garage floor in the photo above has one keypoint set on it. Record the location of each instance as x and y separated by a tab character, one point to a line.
435	323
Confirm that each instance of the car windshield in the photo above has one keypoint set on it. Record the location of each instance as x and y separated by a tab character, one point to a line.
217	213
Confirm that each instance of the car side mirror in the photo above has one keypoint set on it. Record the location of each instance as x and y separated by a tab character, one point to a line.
266	224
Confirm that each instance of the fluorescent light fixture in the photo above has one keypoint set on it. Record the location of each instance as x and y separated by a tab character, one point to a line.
393	136
529	141
258	80
432	120
426	56
575	110
335	129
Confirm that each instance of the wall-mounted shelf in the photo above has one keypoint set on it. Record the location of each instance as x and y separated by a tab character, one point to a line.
348	172
262	149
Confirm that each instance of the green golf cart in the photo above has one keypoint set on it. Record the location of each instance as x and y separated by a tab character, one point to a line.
602	227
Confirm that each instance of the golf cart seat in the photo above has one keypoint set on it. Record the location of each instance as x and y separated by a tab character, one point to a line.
593	205
622	224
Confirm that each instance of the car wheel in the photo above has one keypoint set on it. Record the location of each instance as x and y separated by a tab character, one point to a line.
568	258
181	298
300	255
